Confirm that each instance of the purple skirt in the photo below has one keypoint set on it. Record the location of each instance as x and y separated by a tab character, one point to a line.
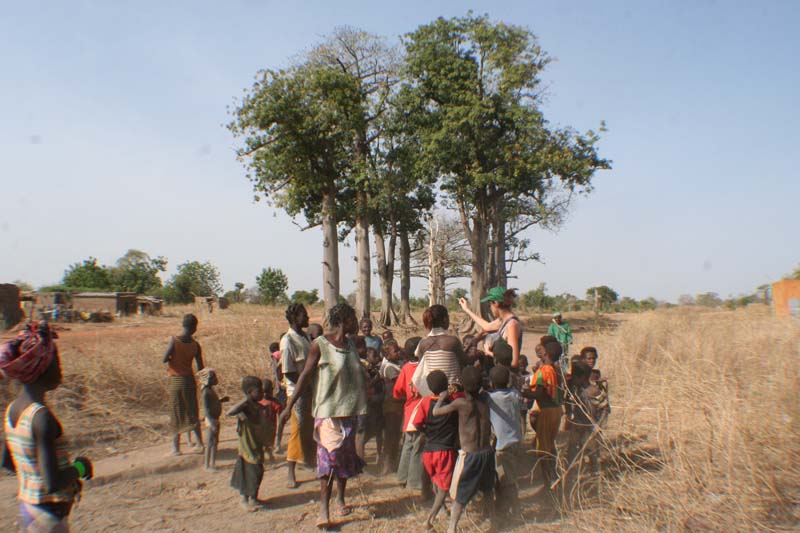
342	462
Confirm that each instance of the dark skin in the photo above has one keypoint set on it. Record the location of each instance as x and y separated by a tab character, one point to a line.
298	323
474	433
248	407
339	338
185	336
46	430
210	402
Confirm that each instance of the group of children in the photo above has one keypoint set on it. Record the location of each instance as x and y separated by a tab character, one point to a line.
471	434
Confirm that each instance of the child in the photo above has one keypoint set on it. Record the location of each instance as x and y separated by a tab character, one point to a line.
589	356
392	409
441	434
373	422
252	430
182	351
475	464
410	472
505	404
314	331
387	335
270	412
586	410
212	409
547	419
373	341
275	352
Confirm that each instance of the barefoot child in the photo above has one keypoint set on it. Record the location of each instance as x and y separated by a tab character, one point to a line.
546	391
181	352
212	408
441	436
410	471
587	410
475	464
252	432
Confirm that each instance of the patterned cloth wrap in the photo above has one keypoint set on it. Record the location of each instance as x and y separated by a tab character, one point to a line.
28	356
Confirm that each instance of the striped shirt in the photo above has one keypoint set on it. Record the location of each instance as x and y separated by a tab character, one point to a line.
22	445
438	351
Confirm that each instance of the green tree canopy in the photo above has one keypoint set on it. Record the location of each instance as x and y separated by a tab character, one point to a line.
193	279
272	284
477	86
605	295
137	272
305	297
87	275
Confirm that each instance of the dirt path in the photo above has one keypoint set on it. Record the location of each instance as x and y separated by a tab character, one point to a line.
148	490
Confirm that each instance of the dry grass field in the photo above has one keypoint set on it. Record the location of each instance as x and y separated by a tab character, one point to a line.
704	433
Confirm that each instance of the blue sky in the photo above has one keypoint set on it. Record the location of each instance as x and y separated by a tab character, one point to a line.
112	136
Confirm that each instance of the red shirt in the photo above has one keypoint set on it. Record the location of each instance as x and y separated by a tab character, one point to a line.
404	389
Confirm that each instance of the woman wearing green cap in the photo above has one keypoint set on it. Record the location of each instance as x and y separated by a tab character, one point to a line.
505	324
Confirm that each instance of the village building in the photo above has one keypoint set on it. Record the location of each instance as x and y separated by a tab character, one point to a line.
113	303
10	310
786	297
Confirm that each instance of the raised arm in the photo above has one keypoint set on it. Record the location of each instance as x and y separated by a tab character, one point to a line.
484	325
452	407
170	350
237	407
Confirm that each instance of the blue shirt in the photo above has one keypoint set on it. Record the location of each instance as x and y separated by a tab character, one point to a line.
373	341
504	409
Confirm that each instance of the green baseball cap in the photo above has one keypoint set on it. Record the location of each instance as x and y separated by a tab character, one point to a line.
496	294
557	314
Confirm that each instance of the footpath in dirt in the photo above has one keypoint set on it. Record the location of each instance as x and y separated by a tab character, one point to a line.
149	490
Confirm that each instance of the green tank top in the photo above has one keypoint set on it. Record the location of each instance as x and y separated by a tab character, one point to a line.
341	389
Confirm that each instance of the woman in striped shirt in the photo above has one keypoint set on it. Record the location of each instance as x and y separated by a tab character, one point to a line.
438	351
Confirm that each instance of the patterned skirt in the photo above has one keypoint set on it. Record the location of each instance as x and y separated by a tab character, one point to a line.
336	447
183	403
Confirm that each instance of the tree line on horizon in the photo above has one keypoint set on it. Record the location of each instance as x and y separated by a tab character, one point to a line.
137	272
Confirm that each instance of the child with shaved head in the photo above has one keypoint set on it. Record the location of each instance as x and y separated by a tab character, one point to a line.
441	437
475	466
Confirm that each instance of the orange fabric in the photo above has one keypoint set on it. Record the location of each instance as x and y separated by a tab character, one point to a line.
547	424
180	364
546	378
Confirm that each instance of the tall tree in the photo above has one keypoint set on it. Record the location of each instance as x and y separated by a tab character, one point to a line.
372	66
478	84
272	284
137	272
442	255
297	152
193	279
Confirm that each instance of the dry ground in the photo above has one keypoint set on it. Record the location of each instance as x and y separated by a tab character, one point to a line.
703	434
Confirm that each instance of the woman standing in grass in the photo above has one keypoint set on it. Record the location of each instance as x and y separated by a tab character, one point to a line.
180	354
505	324
35	448
340	397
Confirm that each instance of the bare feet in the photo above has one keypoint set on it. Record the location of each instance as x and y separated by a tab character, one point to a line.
340	510
292	484
323	522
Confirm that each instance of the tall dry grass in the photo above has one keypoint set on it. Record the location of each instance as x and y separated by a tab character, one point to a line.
705	429
704	433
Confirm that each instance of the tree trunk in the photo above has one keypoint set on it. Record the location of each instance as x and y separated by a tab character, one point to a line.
437	267
330	251
386	274
499	249
478	281
405	280
363	271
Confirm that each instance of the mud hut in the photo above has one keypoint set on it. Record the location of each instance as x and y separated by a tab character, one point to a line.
147	305
114	303
10	310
